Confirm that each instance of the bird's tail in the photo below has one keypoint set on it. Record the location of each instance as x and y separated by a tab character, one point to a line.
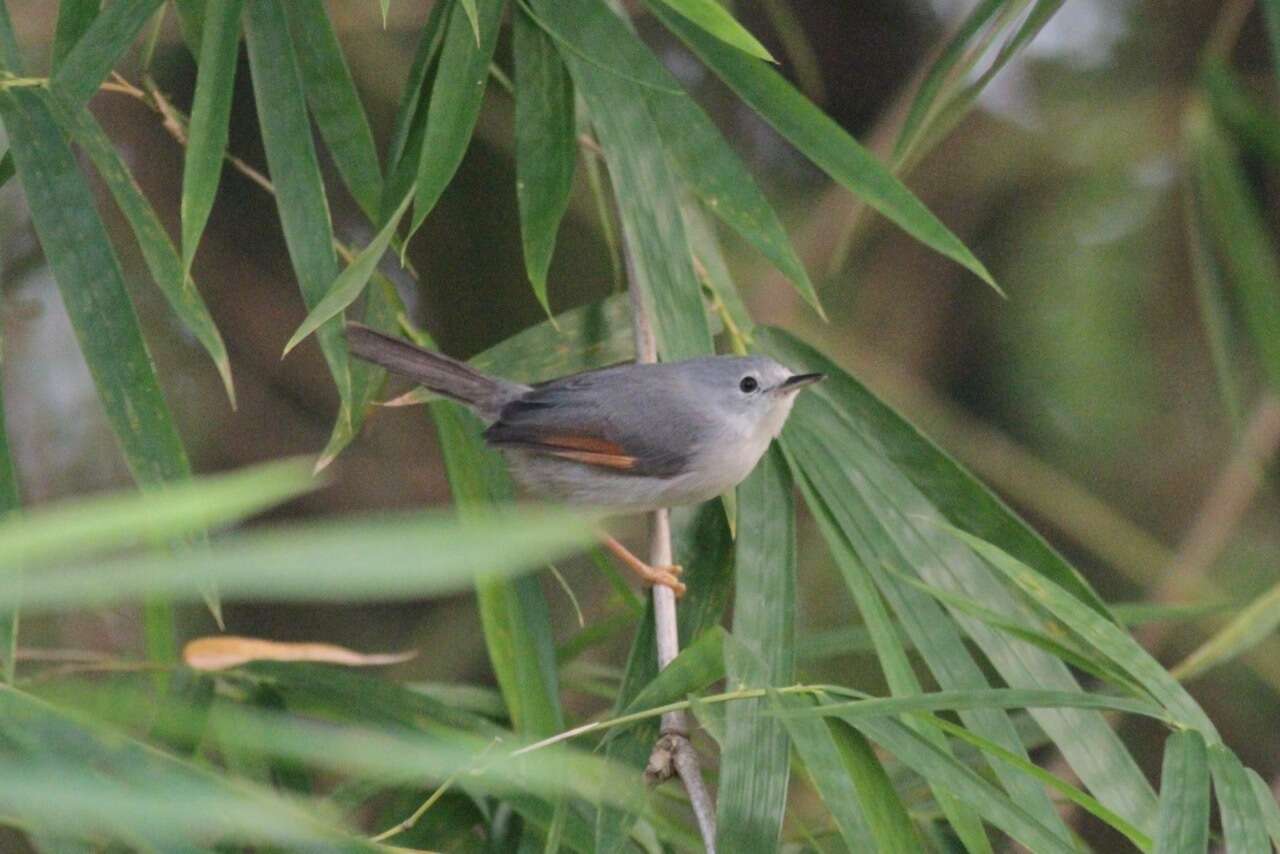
443	375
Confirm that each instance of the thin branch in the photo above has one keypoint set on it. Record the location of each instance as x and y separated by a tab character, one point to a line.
674	754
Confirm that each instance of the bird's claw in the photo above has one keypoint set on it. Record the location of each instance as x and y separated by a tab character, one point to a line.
667	576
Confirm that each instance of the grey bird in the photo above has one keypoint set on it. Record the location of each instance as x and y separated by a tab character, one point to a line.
625	439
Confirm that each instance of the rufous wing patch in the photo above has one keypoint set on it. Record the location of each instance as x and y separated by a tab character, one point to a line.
589	449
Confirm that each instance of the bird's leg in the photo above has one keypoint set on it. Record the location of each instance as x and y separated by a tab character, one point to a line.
664	575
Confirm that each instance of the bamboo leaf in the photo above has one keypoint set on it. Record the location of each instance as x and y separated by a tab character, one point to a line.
697	666
93	291
351	282
881	487
95	53
210	114
1266	804
1103	635
339	115
993	805
648	201
1248	629
10	504
716	20
456	95
473	16
74	20
754	768
158	251
838	759
1241	237
291	157
1244	828
411	115
546	150
1182	825
94	525
316	562
822	141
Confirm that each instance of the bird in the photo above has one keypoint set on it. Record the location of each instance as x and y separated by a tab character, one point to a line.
628	438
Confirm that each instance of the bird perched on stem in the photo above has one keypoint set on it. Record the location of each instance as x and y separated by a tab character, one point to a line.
629	438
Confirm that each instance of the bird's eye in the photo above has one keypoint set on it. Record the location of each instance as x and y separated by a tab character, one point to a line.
748	385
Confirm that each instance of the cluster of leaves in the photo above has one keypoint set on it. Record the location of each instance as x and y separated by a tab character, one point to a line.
1014	641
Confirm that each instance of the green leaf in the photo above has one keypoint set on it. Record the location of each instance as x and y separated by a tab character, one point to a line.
716	20
755	765
697	666
1266	804
882	485
838	759
382	311
1241	237
158	251
210	114
1101	634
469	7
1244	828
135	792
10	504
191	23
93	291
1069	792
888	645
456	95
939	74
713	170
74	20
96	52
1249	628
994	806
546	150
351	282
648	201
1271	12
513	613
822	141
1182	826
339	115
411	116
94	525
410	556
291	158
1254	127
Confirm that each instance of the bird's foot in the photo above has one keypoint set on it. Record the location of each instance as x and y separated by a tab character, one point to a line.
667	576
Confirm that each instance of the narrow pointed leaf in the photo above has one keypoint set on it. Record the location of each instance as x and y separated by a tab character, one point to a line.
1182	825
71	529
351	282
648	201
754	769
1248	629
881	489
331	93
295	171
1266	804
1103	635
822	140
696	667
93	291
717	21
74	20
546	150
1244	828
993	805
96	52
473	16
411	115
456	95
835	768
158	251
210	114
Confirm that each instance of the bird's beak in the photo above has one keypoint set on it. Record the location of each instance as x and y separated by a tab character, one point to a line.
799	381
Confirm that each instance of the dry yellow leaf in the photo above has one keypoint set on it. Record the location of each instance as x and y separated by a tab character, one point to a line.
218	652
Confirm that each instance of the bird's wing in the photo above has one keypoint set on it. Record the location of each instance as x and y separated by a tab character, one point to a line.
596	419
